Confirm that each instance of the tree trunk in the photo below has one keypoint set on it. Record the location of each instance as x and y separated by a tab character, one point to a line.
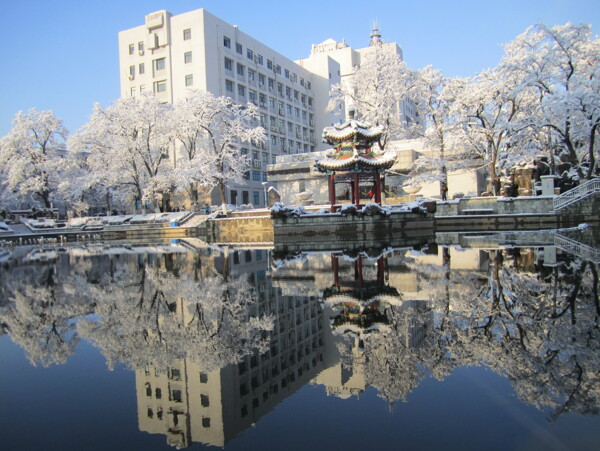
221	186
592	157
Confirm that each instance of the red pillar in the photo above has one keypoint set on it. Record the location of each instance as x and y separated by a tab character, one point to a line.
358	271
378	188
356	190
332	192
380	271
336	276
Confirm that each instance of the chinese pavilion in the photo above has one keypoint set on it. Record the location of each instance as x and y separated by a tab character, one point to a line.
354	160
360	306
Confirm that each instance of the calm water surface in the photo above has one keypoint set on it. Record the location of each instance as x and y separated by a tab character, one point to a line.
470	344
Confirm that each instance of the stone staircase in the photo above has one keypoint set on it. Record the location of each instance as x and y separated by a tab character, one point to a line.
577	194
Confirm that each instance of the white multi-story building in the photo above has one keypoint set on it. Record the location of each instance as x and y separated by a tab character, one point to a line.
349	58
170	54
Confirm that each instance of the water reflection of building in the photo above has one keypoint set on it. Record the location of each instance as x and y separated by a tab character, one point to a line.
189	404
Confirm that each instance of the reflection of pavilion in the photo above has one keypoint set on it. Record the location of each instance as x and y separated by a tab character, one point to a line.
360	305
354	161
369	318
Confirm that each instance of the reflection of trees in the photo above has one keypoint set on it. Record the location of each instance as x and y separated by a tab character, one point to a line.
540	331
135	313
158	318
39	312
536	325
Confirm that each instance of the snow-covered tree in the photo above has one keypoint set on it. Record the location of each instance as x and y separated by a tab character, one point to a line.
435	95
488	105
562	64
32	158
127	147
210	131
375	91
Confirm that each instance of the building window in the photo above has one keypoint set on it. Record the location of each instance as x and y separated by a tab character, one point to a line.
204	401
160	86
252	96
308	85
264	176
203	378
260	59
159	64
261	79
226	42
142	69
142	88
131	49
238	48
229	86
241	91
269	64
228	64
287	73
131	72
256	178
277	69
189	80
176	396
240	69
251	75
187	34
132	92
250	54
205	422
141	47
256	195
158	393
187	57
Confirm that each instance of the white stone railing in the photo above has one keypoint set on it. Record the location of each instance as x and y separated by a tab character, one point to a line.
577	193
574	247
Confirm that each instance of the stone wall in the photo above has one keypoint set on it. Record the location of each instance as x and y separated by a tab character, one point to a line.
251	229
494	205
337	228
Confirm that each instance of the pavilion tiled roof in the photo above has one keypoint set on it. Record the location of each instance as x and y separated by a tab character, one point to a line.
347	161
343	132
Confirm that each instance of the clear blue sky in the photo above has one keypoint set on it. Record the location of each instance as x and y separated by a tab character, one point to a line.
62	55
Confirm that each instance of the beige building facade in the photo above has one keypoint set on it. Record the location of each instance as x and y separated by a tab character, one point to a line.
170	54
